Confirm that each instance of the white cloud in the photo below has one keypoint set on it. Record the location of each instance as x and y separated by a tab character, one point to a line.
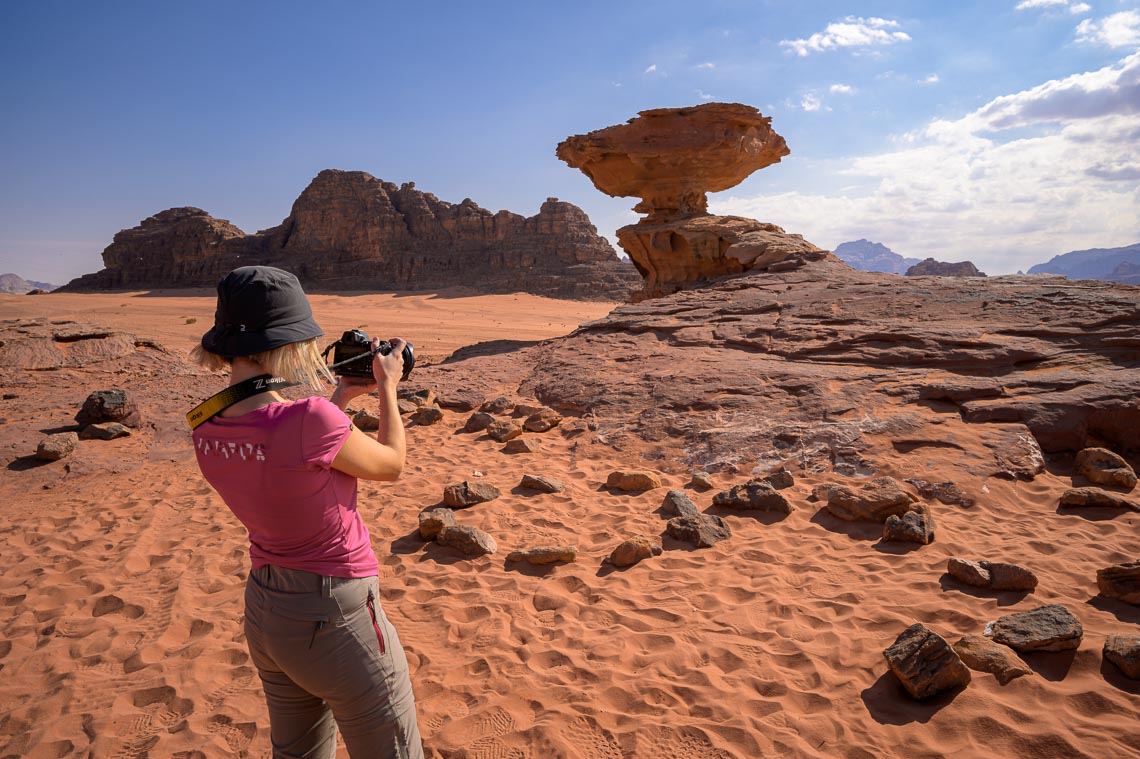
968	189
706	65
851	32
1075	9
810	103
651	69
842	89
1118	30
1079	8
932	79
703	95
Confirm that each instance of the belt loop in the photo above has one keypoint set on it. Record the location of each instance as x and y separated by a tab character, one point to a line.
326	586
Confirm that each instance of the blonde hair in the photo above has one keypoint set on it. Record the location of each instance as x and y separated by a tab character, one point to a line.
297	362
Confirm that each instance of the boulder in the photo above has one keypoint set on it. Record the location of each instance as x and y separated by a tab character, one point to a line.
969	572
541	484
500	405
478	422
527	409
427	415
1046	628
946	492
367	421
931	268
542	421
1124	652
780	479
471	541
1076	498
545	555
1103	467
701	481
405	406
915	526
1121	582
467	493
699	530
634	550
104	431
754	495
422	398
677	504
874	502
633	482
57	446
502	431
982	654
519	445
433	520
460	399
925	663
994	575
109	406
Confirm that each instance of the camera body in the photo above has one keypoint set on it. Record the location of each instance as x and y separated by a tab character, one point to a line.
352	355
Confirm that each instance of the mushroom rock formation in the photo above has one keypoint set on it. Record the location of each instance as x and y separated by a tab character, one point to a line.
672	157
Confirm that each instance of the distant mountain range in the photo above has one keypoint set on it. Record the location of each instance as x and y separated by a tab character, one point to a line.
14	284
873	256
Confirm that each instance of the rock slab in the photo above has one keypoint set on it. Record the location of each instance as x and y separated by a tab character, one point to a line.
1103	467
925	663
1046	628
541	555
1120	581
633	482
700	530
754	495
471	541
433	520
982	654
635	549
109	406
57	446
467	493
874	502
1124	652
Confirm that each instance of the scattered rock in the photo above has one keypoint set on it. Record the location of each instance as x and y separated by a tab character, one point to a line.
946	492
1096	498
874	502
823	492
677	504
428	415
545	555
925	663
469	493
528	409
1120	581
405	406
1124	652
422	398
109	406
701	481
780	479
471	541
1018	455
700	530
930	268
982	654
104	431
460	400
633	482
58	446
994	575
541	484
433	520
542	421
754	495
500	405
1046	628
367	421
969	572
502	431
634	550
1103	467
478	422
519	445
915	526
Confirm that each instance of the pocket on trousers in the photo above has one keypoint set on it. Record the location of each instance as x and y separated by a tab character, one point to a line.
376	626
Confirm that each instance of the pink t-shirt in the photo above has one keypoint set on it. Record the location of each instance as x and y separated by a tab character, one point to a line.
272	467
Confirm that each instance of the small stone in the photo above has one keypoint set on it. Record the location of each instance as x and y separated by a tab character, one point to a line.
969	572
946	492
1095	497
780	479
634	550
755	495
428	415
1103	467
1046	628
104	431
542	421
519	445
1124	652
701	481
405	406
467	493
478	422
1010	576
912	527
1120	581
423	398
545	555
823	492
874	502
109	406
500	405
981	654
366	421
700	530
503	431
925	663
58	446
527	409
633	482
460	400
433	520
541	484
471	541
677	504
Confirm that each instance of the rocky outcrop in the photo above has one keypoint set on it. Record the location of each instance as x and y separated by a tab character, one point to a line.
930	268
672	157
349	230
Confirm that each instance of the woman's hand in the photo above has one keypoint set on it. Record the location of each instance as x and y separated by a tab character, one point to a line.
348	388
388	369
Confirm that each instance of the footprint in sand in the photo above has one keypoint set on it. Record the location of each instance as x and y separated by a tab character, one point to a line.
112	604
237	735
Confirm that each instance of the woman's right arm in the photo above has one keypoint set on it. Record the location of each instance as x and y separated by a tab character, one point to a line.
381	458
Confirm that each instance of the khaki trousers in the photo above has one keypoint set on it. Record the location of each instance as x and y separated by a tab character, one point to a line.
328	657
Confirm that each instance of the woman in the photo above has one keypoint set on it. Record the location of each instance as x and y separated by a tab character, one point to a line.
326	652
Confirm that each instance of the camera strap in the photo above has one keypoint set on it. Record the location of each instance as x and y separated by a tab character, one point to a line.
219	402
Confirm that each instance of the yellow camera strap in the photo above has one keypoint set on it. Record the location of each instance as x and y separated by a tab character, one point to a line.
219	402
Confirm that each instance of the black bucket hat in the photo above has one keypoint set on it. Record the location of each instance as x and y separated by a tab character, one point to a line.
259	308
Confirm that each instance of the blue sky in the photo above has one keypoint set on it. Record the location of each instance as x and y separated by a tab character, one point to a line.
1000	131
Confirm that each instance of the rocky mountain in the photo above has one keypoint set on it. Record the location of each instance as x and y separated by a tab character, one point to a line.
931	268
873	256
17	285
349	230
1095	263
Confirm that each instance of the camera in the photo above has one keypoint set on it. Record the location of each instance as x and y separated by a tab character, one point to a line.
352	355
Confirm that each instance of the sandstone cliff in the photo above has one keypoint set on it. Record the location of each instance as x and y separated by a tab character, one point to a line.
351	231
